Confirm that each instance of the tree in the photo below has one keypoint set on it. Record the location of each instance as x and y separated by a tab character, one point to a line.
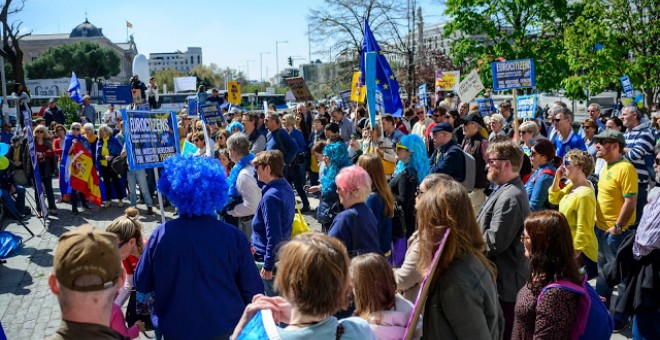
612	38
86	59
70	109
11	36
207	75
511	29
166	77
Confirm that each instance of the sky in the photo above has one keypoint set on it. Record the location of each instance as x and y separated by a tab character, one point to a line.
229	32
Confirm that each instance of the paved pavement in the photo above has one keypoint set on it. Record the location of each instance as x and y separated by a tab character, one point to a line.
28	310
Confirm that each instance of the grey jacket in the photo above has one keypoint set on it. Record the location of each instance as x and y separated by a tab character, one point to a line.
501	220
462	303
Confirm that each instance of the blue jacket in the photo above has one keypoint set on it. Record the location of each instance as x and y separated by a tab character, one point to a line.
299	139
289	146
114	148
574	142
357	228
202	274
449	160
272	222
376	203
538	184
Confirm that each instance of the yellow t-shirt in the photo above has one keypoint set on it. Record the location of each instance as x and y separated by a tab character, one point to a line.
617	181
579	207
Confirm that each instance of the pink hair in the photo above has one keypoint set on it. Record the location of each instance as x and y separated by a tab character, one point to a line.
354	179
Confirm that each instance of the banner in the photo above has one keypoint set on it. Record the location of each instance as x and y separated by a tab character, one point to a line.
118	94
299	89
358	91
151	137
423	95
211	114
513	74
193	106
526	106
27	121
346	103
185	84
447	80
83	175
370	82
628	90
486	106
234	92
470	87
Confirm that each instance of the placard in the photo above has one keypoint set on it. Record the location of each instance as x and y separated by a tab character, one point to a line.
152	136
470	87
118	94
526	106
137	96
346	103
486	106
193	106
299	89
211	114
358	91
513	74
447	80
185	84
628	90
423	95
234	92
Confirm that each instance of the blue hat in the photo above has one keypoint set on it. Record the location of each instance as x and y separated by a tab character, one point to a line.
444	126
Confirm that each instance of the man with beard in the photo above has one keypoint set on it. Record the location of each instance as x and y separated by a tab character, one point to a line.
501	219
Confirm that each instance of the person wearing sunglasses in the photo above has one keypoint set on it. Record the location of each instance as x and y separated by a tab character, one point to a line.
71	138
47	164
565	139
544	163
589	130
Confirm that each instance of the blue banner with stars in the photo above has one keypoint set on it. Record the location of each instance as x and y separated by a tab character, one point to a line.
385	79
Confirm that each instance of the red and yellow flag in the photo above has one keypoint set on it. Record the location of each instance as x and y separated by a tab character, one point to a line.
83	176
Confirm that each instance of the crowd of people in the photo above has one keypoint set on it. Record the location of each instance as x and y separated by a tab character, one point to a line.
530	204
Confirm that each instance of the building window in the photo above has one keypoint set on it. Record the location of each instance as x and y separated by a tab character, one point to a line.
199	59
192	60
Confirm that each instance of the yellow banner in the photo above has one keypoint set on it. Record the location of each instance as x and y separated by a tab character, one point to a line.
234	92
447	80
358	90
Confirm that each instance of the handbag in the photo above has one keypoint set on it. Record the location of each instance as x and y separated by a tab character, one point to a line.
119	165
299	225
133	315
388	166
20	177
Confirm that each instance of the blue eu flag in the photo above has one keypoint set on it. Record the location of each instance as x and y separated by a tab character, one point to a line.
74	89
385	79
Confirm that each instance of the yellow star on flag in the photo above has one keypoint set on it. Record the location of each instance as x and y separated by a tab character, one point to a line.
392	76
377	82
385	86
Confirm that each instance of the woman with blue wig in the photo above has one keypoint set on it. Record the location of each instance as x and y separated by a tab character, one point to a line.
412	167
335	157
235	127
200	269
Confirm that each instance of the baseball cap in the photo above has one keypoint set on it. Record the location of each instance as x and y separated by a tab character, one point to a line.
90	252
611	135
444	126
474	117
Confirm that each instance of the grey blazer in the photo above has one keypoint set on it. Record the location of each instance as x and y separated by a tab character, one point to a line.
501	219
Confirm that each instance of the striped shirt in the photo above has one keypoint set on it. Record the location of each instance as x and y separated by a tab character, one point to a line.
647	237
640	142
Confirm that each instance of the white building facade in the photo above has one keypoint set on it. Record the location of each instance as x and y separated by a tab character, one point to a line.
180	61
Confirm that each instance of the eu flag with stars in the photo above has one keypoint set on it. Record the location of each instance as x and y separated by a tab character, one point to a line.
385	79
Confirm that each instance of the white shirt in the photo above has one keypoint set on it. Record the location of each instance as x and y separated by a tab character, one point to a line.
110	117
247	186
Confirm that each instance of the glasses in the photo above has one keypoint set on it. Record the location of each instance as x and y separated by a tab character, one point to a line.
587	127
657	161
492	160
198	140
525	132
557	120
121	244
420	112
419	192
437	116
604	141
567	162
38	131
532	153
75	129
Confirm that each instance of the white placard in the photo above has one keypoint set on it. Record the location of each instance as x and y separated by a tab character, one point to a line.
185	84
470	87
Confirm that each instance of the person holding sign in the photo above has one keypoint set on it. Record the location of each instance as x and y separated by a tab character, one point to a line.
463	300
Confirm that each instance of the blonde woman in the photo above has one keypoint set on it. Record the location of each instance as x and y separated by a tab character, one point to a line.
47	166
528	132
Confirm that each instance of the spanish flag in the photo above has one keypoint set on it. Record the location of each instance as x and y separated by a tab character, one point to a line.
82	174
128	24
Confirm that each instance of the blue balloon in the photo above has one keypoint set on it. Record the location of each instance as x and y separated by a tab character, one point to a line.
4	148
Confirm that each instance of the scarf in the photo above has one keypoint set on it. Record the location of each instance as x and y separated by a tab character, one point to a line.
233	175
104	151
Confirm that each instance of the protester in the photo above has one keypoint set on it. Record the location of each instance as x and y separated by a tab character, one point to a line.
506	111
274	216
496	125
544	163
107	148
6	134
590	128
22	99
279	139
257	140
313	282
53	113
296	171
462	301
380	200
47	167
71	138
376	143
86	276
639	148
188	303
356	226
244	192
501	220
346	127
200	143
235	127
565	139
389	129
422	122
87	111
548	245
110	117
476	145
376	301
448	158
528	135
335	157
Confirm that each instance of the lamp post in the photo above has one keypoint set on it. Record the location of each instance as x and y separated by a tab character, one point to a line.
277	56
261	65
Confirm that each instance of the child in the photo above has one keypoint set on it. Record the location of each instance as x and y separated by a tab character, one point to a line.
118	323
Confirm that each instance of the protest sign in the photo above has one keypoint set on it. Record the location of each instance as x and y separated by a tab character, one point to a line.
137	96
346	103
358	91
470	87
193	106
185	84
151	137
299	89
211	114
234	92
189	148
628	90
513	74
486	106
423	96
447	80
526	106
118	94
288	96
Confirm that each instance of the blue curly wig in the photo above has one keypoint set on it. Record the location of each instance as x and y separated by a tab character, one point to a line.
419	161
195	185
338	154
233	125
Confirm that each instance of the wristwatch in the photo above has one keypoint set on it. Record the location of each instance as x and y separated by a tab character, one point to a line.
618	228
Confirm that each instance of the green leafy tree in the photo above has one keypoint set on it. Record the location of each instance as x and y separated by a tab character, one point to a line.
166	77
87	59
612	38
70	109
208	76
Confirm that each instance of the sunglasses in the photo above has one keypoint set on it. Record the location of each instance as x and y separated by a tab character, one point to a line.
532	153
39	132
567	162
657	161
587	127
437	116
557	119
198	140
75	129
121	244
199	129
492	160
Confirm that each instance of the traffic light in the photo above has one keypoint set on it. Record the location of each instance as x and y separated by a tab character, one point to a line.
290	61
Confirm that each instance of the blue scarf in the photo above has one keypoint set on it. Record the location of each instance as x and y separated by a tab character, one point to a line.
233	175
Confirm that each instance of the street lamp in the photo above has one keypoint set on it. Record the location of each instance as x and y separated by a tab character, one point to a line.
277	56
261	65
247	64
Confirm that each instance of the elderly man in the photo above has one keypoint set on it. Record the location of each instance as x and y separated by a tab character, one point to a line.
346	127
279	139
501	219
422	122
307	116
53	113
257	140
447	158
87	110
244	192
638	150
565	139
87	274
